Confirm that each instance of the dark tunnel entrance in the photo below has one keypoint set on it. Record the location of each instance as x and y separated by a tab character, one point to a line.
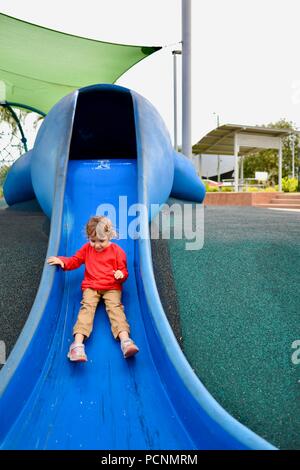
103	124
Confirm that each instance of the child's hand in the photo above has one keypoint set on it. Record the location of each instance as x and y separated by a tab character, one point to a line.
54	260
118	274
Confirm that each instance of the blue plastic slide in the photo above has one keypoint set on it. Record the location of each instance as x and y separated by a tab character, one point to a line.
97	145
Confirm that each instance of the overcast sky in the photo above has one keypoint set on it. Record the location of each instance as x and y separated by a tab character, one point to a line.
246	58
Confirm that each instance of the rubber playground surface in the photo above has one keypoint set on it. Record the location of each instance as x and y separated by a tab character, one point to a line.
239	306
235	305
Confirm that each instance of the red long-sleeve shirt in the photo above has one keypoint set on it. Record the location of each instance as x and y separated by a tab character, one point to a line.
99	266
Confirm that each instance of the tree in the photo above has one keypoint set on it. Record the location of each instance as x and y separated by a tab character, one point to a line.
3	172
11	145
267	160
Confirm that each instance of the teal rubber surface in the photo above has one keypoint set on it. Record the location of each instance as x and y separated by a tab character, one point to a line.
239	303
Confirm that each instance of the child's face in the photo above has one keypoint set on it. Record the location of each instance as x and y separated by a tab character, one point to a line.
99	244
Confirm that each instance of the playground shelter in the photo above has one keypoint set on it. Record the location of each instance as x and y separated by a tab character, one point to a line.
240	141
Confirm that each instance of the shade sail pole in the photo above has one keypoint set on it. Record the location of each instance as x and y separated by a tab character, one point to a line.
186	78
175	53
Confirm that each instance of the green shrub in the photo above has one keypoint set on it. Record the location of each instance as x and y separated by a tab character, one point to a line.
289	185
270	189
1	192
252	189
227	189
210	189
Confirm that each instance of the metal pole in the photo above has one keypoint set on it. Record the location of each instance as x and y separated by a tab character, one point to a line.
200	165
297	164
218	170
218	164
242	170
293	156
186	78
236	164
175	53
20	105
280	166
175	99
218	118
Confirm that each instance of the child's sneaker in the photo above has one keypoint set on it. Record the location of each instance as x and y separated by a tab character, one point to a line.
77	353
129	348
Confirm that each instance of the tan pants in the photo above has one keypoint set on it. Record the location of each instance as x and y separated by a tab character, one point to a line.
114	309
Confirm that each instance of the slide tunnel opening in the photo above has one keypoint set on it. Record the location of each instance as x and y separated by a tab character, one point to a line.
103	125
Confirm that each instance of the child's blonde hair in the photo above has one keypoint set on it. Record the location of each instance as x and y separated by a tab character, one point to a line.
100	227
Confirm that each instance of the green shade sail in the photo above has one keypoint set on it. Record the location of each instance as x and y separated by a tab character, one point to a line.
38	66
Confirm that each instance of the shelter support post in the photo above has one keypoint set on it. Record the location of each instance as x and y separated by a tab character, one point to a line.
280	166
242	169
218	169
293	156
200	165
236	163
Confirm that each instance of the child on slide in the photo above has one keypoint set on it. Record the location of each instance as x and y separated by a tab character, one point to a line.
105	272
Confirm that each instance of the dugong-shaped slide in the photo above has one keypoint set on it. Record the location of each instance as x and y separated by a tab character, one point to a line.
95	145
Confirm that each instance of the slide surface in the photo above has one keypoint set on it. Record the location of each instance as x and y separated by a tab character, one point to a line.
109	402
151	401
